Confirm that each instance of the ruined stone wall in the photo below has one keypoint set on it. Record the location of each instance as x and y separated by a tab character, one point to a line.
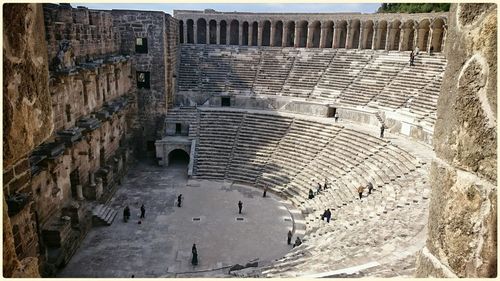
152	102
171	54
90	33
462	228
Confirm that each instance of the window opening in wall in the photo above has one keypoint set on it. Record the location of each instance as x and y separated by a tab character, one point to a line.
142	80
102	157
68	113
150	145
141	45
225	101
74	178
178	128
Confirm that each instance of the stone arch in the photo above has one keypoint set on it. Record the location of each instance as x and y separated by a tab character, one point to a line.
212	29
190	31
278	34
201	30
355	31
290	38
367	41
394	35
303	34
341	28
423	34
181	32
316	34
178	156
244	34
266	33
381	36
255	33
437	34
408	35
223	32
234	32
328	34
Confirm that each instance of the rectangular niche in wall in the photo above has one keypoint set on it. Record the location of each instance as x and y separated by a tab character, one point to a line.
142	80
141	45
225	101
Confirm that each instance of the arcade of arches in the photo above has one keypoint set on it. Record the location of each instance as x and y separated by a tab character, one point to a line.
387	35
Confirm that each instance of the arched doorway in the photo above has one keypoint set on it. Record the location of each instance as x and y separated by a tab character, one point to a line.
355	26
394	35
201	36
437	34
408	35
213	31
234	32
368	34
341	34
181	32
178	158
303	34
266	33
289	41
190	31
244	33
278	34
223	32
316	34
329	35
381	35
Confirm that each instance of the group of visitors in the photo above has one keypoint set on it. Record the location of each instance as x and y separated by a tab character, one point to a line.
361	189
326	214
126	213
318	189
289	239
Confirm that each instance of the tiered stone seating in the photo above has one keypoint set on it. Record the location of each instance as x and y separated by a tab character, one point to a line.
215	67
217	133
307	69
298	147
343	69
275	64
257	139
244	65
189	67
411	81
373	78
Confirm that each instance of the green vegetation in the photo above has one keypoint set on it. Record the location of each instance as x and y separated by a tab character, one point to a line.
413	7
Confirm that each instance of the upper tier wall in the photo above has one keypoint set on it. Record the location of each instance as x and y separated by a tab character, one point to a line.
425	31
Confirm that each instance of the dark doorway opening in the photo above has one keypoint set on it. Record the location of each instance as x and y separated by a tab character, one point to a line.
225	101
178	128
74	178
178	158
150	145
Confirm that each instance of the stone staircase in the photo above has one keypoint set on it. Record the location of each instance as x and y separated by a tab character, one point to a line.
103	215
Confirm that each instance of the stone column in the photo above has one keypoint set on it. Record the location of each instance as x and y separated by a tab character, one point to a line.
402	35
348	38
375	35
217	35
259	34
361	41
207	33
415	36
185	33
228	33
273	31
195	33
310	32
240	34
285	34
387	36
250	34
322	38
335	43
297	35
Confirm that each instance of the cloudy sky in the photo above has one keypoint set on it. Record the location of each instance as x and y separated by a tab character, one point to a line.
242	7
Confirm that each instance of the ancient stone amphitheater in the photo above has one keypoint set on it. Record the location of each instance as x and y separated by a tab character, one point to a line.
280	102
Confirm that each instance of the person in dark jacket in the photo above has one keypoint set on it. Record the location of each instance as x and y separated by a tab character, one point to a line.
179	200
194	259
143	211
311	194
240	206
289	237
126	214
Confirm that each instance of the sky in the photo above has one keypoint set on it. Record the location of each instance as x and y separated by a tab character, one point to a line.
241	7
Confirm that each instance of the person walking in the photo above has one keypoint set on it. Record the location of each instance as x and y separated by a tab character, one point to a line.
328	215
325	186
412	58
240	206
311	194
318	190
336	117
265	192
360	191
126	213
143	211
289	237
194	259
179	200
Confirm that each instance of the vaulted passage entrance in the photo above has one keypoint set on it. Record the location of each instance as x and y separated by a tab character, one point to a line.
178	158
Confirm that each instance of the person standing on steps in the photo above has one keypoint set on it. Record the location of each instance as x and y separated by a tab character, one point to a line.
328	215
194	259
319	188
240	206
179	200
325	186
360	191
143	211
311	194
265	192
412	58
289	237
382	128
126	213
370	187
336	117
